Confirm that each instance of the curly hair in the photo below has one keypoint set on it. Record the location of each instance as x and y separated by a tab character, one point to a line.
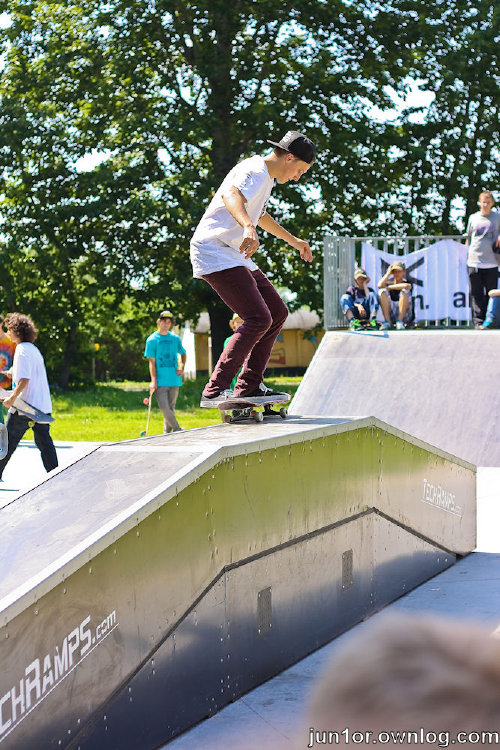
21	326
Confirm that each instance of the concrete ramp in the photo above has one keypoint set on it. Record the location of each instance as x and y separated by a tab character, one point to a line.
437	385
154	581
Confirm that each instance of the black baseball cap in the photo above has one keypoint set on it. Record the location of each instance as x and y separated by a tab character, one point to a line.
297	144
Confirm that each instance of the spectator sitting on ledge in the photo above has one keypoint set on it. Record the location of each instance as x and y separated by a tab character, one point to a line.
395	296
360	302
492	319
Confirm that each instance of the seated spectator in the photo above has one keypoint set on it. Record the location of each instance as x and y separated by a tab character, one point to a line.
418	674
360	302
492	319
395	297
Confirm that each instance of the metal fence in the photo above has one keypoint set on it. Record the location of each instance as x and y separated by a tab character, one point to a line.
339	261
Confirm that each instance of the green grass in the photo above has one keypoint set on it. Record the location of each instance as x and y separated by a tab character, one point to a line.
115	411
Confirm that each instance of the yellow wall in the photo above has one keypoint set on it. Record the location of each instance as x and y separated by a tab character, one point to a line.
290	349
201	350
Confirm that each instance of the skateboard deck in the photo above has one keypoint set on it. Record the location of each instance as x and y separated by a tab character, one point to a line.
27	410
240	409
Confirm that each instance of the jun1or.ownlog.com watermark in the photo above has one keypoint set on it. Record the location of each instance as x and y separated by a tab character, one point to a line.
421	736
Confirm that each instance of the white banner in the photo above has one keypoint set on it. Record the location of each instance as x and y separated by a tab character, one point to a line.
438	274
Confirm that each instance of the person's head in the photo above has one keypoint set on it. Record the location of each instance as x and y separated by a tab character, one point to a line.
165	321
406	672
20	328
235	322
361	277
486	201
292	156
398	269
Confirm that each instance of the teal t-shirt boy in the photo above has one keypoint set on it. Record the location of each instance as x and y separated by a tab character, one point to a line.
165	349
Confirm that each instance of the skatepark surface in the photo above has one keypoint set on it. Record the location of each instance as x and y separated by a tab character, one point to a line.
434	385
269	715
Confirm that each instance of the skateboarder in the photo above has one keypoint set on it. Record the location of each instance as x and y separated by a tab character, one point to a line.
221	253
29	380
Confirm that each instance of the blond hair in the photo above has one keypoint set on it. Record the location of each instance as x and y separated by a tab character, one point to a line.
488	193
409	672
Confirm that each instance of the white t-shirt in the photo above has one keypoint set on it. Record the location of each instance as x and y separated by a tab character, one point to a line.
28	363
218	236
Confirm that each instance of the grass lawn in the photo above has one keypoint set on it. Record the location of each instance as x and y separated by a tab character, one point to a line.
115	411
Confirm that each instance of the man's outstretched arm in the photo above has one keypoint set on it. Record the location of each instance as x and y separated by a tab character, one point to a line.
268	224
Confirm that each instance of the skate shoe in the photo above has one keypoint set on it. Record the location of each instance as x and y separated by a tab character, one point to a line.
209	400
262	391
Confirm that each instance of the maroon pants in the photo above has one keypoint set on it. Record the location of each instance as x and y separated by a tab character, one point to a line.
253	297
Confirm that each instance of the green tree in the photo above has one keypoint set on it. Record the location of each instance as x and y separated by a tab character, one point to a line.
449	153
201	85
71	241
170	94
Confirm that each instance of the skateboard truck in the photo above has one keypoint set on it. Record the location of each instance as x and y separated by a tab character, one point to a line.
239	408
238	415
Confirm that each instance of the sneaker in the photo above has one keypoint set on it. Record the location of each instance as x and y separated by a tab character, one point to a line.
355	325
487	324
400	326
209	400
373	324
385	326
262	391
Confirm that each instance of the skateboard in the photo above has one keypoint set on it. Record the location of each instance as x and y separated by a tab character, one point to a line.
27	410
241	409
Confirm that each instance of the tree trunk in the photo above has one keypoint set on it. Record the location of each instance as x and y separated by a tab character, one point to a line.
69	353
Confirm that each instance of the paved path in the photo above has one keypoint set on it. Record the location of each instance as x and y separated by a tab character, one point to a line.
25	469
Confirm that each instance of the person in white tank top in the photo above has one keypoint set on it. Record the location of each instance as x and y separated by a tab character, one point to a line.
29	381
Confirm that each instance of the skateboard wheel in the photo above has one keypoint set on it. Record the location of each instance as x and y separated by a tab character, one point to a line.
258	416
283	412
226	418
